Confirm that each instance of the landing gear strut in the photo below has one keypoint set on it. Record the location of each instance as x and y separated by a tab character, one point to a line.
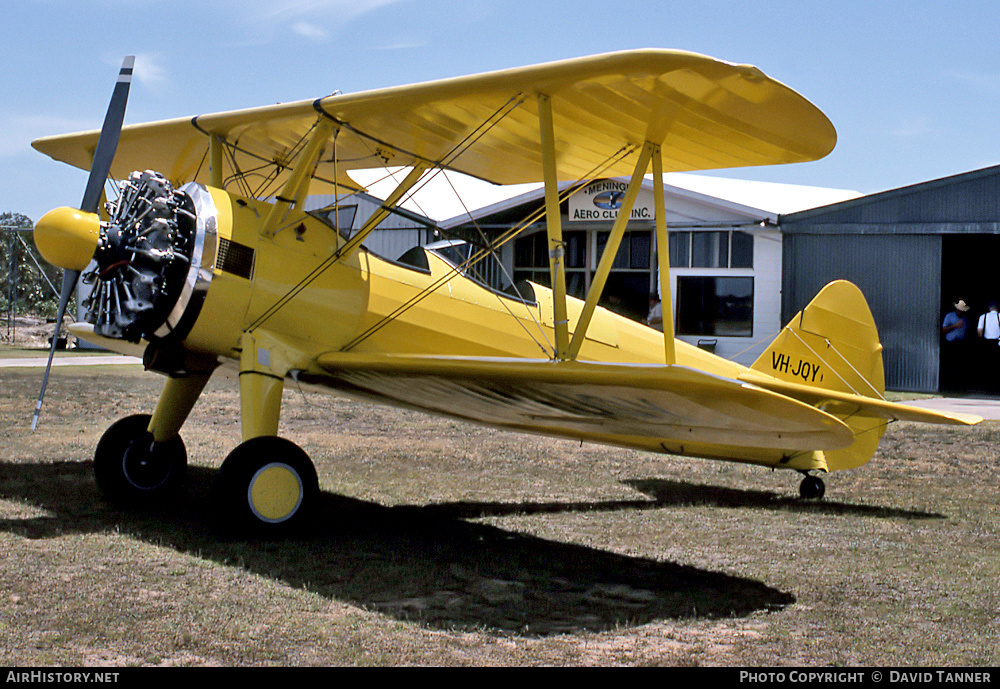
132	469
812	488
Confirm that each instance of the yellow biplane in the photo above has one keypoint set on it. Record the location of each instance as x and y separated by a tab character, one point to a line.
207	258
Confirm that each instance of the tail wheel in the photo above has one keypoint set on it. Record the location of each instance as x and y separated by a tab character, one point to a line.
812	488
267	485
131	468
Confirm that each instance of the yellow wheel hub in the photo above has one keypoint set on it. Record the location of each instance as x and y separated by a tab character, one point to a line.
275	492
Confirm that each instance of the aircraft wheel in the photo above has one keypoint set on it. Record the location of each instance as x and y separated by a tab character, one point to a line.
812	488
131	468
266	486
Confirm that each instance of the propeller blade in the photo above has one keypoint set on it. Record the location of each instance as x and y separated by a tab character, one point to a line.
107	143
69	284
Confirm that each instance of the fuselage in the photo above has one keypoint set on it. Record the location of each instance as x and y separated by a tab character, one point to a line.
366	303
286	290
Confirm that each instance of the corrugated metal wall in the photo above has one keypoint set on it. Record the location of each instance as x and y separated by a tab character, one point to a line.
948	203
397	233
899	275
893	246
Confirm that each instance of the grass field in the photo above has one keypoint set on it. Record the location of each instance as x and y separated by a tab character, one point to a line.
447	544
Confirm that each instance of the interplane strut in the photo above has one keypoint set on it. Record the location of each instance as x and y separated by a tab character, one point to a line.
557	249
663	258
610	251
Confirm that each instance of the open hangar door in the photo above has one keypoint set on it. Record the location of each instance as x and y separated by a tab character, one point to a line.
970	270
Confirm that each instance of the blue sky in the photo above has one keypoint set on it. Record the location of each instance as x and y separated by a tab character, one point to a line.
912	87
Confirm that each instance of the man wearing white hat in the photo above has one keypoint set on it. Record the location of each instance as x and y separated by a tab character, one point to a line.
953	328
955	323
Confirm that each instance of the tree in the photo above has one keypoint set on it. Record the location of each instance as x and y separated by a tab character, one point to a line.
25	277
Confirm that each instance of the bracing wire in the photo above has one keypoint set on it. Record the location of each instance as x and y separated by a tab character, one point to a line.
503	239
447	159
492	252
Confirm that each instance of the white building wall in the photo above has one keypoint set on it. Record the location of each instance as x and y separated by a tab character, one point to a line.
766	298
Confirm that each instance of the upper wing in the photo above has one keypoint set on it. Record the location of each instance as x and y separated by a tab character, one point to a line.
595	401
705	114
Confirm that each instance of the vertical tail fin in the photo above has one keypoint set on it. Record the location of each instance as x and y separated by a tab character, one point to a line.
833	344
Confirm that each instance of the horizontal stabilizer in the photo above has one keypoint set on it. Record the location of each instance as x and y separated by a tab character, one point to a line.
846	404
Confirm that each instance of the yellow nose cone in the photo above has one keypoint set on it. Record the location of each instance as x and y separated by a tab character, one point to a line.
67	237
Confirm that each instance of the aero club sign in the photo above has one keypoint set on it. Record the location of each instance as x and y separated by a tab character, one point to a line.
602	200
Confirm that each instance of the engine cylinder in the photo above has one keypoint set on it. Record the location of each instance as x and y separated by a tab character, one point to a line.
148	277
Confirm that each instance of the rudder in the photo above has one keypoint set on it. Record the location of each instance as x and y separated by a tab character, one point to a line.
833	344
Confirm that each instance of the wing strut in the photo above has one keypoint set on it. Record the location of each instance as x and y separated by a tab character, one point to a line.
611	249
215	149
663	257
557	250
297	185
411	179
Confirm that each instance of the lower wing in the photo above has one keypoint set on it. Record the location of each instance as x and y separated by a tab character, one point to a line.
615	403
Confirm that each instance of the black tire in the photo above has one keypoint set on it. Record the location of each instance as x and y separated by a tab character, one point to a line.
131	469
266	487
812	488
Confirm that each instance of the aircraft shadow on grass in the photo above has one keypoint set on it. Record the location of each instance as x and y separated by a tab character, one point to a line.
426	563
668	493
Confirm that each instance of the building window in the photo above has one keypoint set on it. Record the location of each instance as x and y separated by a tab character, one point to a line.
741	255
680	249
710	250
532	251
531	260
720	306
633	252
727	249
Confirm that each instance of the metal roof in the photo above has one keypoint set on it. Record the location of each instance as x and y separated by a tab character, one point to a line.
963	203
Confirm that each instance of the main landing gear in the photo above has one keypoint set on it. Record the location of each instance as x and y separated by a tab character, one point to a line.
267	486
132	469
812	488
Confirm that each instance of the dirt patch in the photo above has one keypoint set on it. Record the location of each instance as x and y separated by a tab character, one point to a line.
31	332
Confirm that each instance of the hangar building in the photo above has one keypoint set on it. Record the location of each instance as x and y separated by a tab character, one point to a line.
913	251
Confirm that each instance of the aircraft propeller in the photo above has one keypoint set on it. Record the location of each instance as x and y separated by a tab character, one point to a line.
67	237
